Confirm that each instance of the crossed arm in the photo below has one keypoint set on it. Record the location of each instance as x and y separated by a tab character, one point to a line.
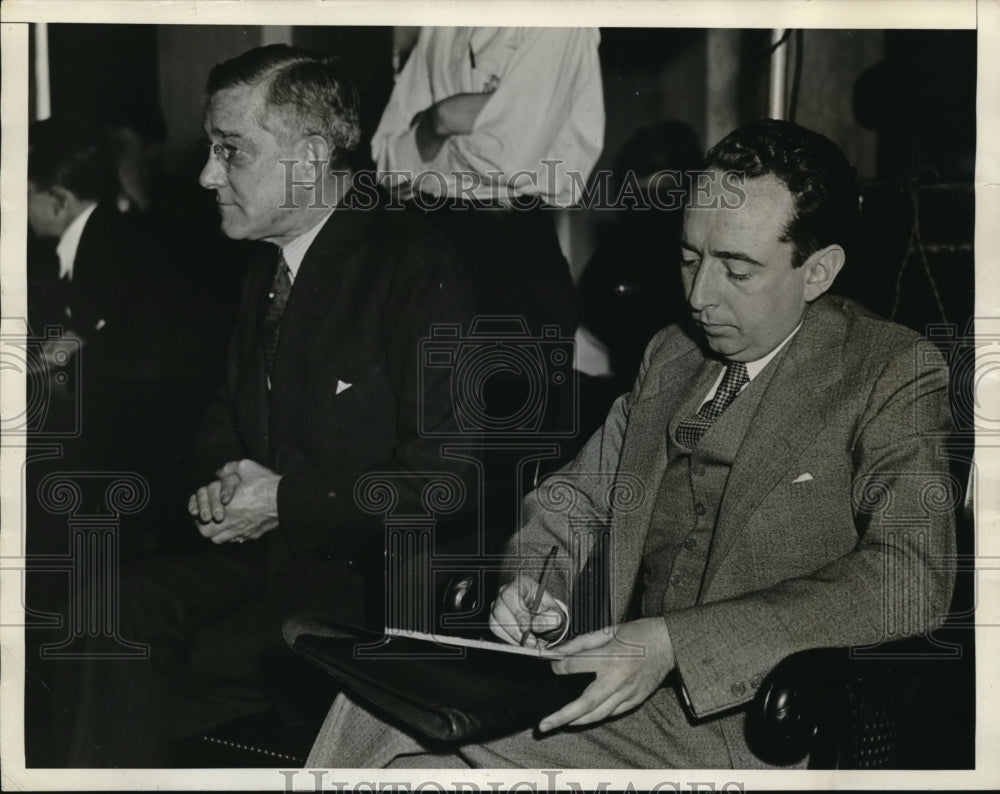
454	115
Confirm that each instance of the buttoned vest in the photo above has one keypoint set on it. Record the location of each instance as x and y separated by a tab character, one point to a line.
687	502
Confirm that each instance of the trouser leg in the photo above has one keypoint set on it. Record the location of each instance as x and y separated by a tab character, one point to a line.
655	736
124	710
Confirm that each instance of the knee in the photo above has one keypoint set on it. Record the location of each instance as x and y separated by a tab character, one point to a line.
149	598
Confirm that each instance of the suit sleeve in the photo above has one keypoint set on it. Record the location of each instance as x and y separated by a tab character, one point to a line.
896	581
580	493
218	440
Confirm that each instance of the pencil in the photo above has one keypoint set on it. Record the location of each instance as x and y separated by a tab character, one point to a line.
542	582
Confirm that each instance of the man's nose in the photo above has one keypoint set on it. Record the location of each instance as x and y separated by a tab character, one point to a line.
703	288
212	175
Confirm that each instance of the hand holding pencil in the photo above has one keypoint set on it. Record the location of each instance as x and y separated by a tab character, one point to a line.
525	613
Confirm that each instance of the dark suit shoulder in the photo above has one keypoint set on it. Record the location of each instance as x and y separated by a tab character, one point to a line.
412	235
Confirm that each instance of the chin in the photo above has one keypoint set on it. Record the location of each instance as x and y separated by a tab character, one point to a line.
233	230
728	348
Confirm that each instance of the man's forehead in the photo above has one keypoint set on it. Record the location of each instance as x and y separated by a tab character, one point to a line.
236	111
731	206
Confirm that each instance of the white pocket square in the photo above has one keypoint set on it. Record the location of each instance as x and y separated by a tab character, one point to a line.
802	478
341	386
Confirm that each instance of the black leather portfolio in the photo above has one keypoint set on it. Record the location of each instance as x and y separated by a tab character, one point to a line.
442	693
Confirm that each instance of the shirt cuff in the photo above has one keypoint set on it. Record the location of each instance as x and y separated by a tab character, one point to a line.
565	624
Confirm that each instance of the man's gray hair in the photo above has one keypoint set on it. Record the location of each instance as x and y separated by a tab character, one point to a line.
312	88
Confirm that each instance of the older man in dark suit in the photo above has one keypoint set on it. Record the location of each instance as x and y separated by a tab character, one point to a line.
322	386
766	484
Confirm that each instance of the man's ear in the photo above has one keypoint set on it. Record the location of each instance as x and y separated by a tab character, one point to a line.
821	268
62	198
317	154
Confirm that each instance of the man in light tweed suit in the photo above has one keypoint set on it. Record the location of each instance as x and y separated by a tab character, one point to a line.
773	456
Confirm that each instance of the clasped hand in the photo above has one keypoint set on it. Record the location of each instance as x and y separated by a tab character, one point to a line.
630	660
241	505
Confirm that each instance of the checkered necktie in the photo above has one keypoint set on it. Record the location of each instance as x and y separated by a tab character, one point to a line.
277	298
690	431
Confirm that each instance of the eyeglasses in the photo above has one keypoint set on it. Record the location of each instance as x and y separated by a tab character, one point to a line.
221	152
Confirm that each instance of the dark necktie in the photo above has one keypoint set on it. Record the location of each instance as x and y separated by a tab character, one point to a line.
690	431
277	298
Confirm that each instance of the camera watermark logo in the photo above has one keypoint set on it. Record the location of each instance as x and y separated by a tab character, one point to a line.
504	383
972	363
50	364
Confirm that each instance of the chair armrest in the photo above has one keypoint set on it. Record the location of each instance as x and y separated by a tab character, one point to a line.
845	708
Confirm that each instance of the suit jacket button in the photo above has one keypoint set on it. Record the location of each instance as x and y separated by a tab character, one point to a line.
699	471
676	580
350	563
690	543
699	509
332	494
756	681
738	689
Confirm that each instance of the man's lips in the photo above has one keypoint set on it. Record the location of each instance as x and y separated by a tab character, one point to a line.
709	328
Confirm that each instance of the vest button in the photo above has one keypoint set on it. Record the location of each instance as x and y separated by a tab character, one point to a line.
690	543
699	509
699	471
676	580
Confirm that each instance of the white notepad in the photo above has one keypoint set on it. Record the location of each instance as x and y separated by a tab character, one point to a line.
489	645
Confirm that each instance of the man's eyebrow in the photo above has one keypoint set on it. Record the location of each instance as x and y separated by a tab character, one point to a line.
737	256
226	133
733	255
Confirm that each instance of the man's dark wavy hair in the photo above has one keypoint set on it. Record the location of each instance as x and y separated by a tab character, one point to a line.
322	99
822	182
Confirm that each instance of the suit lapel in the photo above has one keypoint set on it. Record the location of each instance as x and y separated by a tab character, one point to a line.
93	273
309	305
792	411
645	456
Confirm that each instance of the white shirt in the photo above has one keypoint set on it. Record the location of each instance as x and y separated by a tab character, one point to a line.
753	367
546	103
295	251
69	242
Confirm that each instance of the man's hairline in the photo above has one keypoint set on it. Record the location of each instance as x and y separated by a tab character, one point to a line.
784	237
268	107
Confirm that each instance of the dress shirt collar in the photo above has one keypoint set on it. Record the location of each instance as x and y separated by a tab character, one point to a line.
295	251
69	242
754	367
